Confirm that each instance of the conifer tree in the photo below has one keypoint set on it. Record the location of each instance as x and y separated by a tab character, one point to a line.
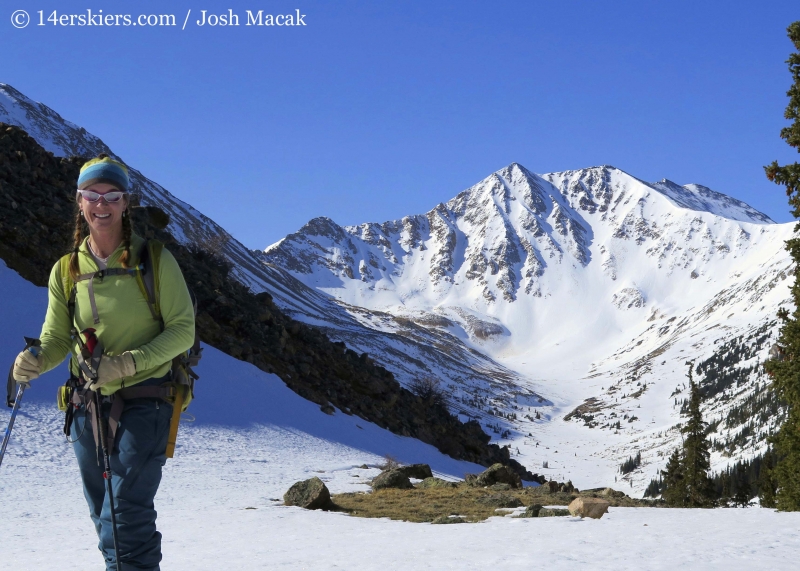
766	482
696	452
786	372
743	495
674	486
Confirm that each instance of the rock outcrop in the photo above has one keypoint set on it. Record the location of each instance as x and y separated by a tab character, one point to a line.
394	478
311	494
588	507
496	474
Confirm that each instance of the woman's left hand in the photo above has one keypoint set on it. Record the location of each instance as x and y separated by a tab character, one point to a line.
113	368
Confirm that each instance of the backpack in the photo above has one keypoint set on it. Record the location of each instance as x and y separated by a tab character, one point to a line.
146	275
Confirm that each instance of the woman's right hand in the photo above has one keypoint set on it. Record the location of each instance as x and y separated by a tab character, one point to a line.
27	366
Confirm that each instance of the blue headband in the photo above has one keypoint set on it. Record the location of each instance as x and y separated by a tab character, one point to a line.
104	170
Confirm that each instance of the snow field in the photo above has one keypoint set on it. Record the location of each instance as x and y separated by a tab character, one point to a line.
219	472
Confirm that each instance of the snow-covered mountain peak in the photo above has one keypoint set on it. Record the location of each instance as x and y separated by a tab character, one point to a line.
497	239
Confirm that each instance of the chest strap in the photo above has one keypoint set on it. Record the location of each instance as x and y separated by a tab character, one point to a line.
99	274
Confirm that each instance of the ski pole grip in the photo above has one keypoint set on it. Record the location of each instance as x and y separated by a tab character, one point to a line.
33	345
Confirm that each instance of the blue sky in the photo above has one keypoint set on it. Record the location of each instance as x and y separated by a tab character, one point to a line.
375	110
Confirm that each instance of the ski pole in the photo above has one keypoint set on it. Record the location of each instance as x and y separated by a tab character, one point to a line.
107	475
13	401
7	436
87	349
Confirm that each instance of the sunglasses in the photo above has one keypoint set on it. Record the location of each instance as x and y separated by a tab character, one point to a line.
110	197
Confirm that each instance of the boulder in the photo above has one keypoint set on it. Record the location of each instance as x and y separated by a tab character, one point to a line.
496	474
418	471
436	483
531	511
588	507
311	494
391	479
552	512
611	493
500	501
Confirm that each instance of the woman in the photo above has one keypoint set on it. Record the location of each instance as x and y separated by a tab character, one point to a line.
134	370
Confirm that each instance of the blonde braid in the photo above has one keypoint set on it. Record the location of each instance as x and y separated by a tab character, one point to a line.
125	258
74	264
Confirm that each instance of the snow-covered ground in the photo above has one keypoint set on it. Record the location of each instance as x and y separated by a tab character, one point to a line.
254	437
221	473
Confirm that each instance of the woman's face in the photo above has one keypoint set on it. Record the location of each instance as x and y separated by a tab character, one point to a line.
102	216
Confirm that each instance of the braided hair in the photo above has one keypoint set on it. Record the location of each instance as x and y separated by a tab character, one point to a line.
125	258
74	265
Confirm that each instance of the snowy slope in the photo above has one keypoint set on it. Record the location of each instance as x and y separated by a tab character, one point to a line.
582	282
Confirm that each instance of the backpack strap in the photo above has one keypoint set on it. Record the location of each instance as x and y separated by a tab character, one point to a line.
147	277
67	284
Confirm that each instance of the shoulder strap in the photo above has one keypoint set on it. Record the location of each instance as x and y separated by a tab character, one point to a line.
69	286
147	276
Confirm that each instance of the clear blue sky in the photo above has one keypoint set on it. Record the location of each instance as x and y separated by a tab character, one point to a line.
375	110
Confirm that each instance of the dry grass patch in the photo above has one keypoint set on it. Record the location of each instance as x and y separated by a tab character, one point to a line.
418	505
473	504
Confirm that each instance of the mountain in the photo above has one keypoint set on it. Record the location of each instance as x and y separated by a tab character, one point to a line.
557	310
595	287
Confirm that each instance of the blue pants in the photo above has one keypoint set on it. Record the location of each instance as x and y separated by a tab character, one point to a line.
136	462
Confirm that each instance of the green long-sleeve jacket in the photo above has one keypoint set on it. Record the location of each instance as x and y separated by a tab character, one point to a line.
126	323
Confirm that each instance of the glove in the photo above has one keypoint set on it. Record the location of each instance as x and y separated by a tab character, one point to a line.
27	367
113	368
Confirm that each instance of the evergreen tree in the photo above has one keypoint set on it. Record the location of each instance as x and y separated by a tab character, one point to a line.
724	492
674	486
742	496
696	452
766	483
786	372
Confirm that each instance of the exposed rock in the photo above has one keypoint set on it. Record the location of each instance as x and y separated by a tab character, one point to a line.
552	512
611	493
436	483
588	507
311	494
418	471
531	511
567	488
496	474
391	479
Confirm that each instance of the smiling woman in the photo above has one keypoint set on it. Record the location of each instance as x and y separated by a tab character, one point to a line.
120	372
